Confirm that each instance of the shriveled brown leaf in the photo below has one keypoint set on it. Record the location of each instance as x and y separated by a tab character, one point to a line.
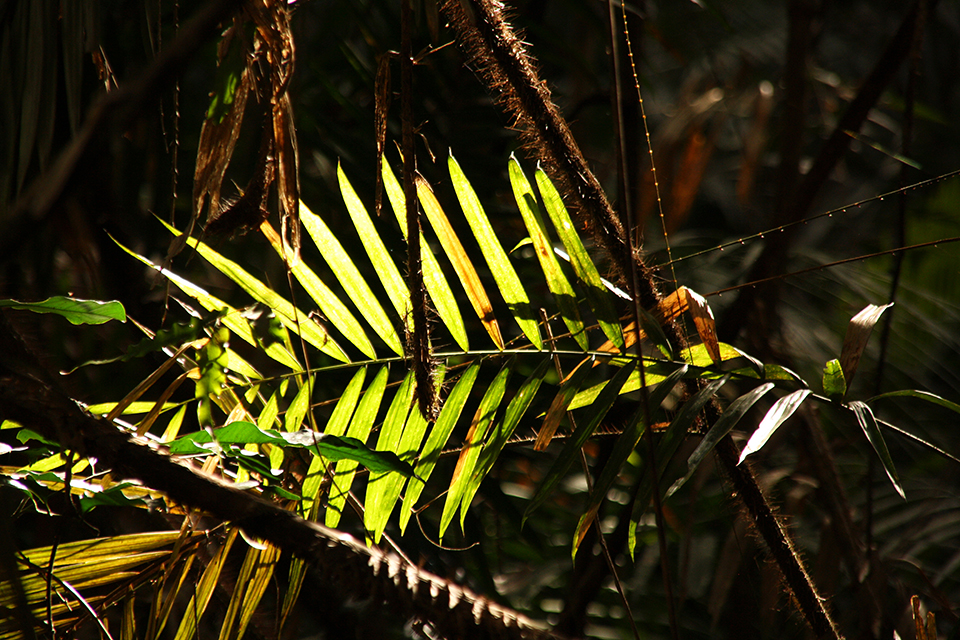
858	332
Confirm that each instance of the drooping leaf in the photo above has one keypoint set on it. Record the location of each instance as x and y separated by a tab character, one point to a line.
461	262
727	421
75	310
922	395
598	296
858	332
624	446
868	423
584	430
483	419
500	267
556	280
834	383
433	278
438	437
776	416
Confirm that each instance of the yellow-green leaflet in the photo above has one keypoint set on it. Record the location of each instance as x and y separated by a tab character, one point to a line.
503	272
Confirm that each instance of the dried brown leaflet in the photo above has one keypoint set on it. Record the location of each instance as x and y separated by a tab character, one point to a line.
418	340
267	65
503	63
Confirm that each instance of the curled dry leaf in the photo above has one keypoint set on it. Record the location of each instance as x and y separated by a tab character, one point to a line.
858	332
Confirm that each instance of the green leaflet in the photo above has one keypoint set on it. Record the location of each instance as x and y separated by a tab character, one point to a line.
377	252
438	437
359	429
292	318
467	462
868	423
502	432
598	296
503	272
336	426
624	446
335	312
75	310
433	279
230	317
353	283
556	280
401	432
584	430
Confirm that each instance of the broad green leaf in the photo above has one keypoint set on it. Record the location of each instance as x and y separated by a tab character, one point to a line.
438	437
503	272
727	421
75	310
330	306
598	296
501	434
584	430
349	276
433	278
382	262
470	453
834	383
376	509
869	425
556	280
461	262
360	427
294	319
231	317
624	446
332	447
776	416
